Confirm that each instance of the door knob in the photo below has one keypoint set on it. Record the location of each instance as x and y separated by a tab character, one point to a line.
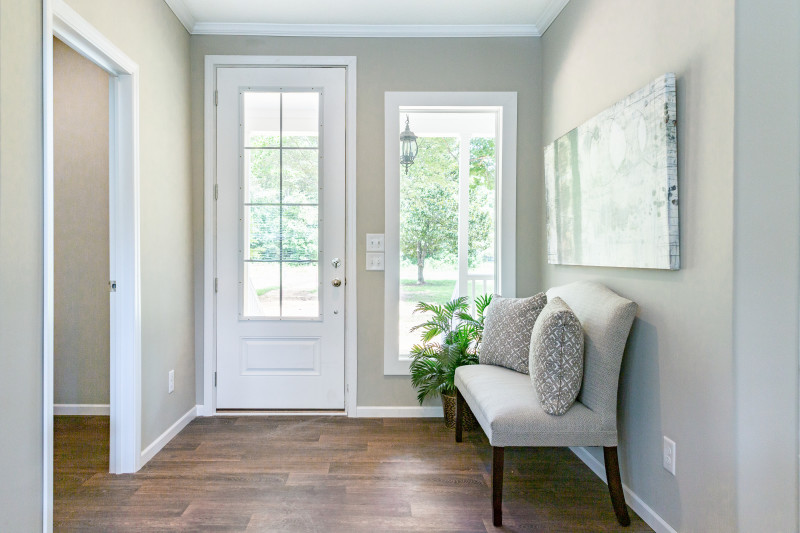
336	282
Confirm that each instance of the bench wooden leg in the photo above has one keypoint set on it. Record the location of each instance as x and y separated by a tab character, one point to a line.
615	485
459	414
498	453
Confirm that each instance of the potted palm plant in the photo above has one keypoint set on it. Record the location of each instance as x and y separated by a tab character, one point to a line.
451	337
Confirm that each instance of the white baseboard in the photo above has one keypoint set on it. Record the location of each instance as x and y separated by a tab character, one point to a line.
644	511
399	412
204	410
162	440
81	409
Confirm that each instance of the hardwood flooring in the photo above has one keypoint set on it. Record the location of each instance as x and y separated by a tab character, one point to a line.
321	474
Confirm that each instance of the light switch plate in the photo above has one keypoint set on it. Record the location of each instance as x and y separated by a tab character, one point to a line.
375	261
375	242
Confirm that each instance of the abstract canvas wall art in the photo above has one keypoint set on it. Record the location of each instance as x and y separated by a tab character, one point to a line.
611	185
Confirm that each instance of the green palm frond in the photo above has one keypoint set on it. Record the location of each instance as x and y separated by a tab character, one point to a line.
458	335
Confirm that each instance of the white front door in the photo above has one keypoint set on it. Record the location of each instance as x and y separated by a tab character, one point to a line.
280	238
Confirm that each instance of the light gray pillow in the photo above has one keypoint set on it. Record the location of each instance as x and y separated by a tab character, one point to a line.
507	331
556	357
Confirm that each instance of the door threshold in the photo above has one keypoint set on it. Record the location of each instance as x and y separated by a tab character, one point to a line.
281	412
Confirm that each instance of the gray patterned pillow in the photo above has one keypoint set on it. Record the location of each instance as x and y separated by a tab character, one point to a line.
507	331
556	357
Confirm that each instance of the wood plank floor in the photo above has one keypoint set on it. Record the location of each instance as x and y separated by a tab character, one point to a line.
321	474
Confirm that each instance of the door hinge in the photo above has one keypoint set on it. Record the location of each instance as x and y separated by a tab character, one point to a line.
112	286
216	284
215	379
216	98
216	191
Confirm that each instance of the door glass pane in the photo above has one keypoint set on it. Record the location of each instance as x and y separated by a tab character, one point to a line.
262	176
301	298
301	119
262	119
301	176
280	205
300	239
263	225
262	289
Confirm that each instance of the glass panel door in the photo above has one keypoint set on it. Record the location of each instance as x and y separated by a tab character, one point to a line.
280	221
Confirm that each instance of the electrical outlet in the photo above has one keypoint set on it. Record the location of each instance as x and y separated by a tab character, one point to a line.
669	455
375	242
375	261
171	387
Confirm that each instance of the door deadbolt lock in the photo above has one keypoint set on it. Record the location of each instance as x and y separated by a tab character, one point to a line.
336	282
336	262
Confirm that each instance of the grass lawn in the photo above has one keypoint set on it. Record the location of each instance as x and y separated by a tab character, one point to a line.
434	291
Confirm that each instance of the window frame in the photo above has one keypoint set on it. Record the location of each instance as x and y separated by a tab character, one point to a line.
504	104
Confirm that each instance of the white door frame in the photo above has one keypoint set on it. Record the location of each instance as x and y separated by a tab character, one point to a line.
212	63
125	318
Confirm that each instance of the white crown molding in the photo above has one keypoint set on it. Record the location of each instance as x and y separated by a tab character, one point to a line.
366	30
549	14
183	13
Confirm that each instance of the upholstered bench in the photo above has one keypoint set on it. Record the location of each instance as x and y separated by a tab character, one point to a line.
507	408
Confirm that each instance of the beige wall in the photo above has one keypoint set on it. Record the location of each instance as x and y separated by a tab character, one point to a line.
767	262
81	272
712	358
148	32
21	265
677	376
393	65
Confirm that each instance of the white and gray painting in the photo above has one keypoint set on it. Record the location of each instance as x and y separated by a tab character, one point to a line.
612	185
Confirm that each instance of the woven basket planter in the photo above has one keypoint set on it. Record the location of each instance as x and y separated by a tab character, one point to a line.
449	405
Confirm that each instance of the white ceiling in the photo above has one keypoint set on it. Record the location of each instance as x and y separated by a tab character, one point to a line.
376	18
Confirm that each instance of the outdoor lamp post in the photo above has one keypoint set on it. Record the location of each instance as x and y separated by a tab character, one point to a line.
408	147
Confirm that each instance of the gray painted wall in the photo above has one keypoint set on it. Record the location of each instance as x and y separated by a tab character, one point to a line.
149	33
81	272
21	265
695	366
511	64
677	376
767	262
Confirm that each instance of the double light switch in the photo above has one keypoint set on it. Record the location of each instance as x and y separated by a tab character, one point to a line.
375	249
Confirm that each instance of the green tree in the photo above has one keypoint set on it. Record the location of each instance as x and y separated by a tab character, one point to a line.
291	228
482	164
429	203
428	222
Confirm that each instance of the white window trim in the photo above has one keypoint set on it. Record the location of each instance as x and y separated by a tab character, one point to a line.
505	104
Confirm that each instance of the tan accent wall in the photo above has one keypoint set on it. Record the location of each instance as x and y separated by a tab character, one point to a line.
149	33
677	374
81	271
712	358
440	64
21	265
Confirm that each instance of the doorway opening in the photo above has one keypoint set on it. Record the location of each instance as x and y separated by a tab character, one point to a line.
123	284
81	348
